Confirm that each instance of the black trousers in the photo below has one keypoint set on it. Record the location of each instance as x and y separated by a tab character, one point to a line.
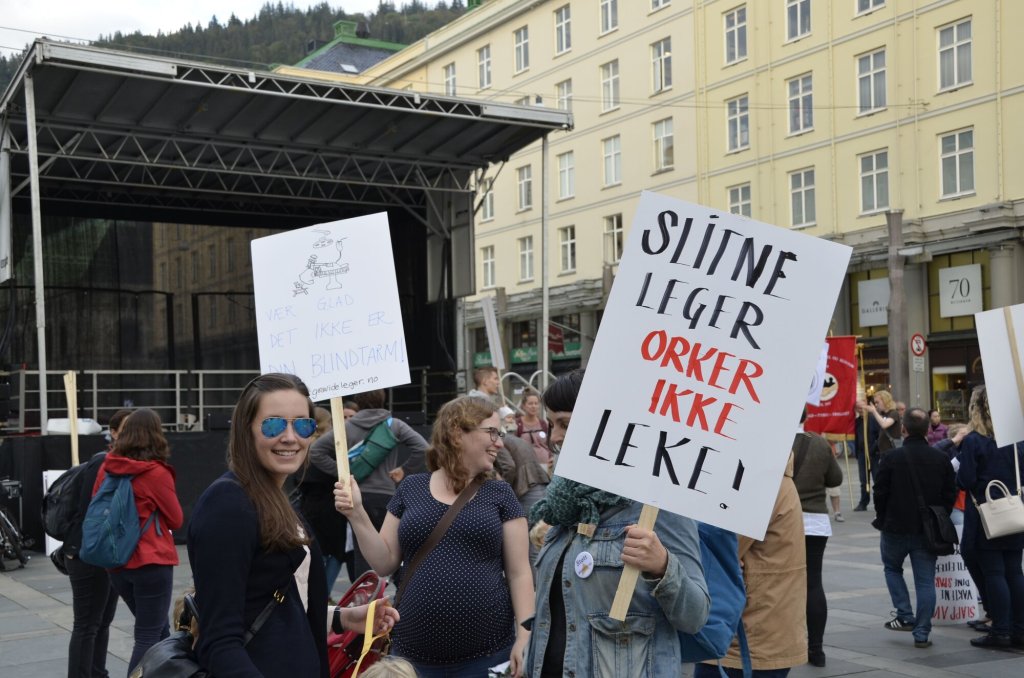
93	602
817	607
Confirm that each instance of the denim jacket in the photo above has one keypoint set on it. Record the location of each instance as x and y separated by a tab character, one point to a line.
646	643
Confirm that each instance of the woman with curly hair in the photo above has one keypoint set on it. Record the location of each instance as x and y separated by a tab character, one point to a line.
463	608
999	560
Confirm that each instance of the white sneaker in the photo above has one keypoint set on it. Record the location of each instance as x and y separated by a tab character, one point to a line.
839	518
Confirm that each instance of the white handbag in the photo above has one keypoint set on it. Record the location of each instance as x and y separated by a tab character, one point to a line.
1002	515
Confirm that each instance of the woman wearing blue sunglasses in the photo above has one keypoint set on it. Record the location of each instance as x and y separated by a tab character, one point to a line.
247	546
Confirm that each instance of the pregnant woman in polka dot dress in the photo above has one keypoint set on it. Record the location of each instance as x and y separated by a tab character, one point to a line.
462	611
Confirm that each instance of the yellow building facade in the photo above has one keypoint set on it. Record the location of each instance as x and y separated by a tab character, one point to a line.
817	115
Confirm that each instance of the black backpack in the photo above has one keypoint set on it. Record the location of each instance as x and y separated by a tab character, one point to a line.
61	501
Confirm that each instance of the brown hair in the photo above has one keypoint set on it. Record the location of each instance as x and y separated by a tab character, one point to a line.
981	416
369	400
117	418
482	373
276	516
454	418
141	437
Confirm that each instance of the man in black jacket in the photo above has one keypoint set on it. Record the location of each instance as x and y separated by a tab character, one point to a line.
899	520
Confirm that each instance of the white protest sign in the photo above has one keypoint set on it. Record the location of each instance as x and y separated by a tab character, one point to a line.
1004	398
956	597
694	389
327	307
493	337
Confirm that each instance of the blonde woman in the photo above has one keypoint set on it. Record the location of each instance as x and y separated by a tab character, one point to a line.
884	411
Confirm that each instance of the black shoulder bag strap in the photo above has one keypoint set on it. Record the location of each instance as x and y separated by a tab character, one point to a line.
192	609
800	453
438	533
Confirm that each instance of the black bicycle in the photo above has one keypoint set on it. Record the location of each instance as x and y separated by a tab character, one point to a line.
12	542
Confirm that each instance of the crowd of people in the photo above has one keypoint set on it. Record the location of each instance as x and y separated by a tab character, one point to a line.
496	560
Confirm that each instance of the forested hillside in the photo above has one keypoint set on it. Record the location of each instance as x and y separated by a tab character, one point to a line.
279	34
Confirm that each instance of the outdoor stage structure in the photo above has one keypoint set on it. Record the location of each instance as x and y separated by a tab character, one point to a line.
96	133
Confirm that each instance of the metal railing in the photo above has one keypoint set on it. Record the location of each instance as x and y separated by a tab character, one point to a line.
185	399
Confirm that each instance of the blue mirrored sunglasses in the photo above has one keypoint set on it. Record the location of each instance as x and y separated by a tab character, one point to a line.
275	426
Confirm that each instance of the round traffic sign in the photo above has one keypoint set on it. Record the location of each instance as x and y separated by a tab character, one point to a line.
917	344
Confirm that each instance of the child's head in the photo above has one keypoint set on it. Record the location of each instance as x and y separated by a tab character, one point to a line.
390	667
183	621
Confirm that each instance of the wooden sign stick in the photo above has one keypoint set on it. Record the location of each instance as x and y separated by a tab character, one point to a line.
1012	336
627	582
340	438
71	393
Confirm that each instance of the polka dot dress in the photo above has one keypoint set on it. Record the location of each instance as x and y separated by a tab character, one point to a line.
457	605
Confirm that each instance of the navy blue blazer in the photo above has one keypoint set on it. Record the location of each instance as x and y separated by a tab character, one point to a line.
235	579
980	462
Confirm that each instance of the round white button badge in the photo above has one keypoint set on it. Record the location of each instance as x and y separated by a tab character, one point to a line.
584	565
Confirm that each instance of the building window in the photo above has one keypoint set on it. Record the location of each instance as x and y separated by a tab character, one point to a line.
566	175
563	95
801	104
658	4
483	61
736	35
739	199
801	190
871	81
487	256
610	85
229	253
526	258
487	209
194	258
957	156
798	18
664	152
522	101
524	177
563	29
612	152
211	321
613	238
737	115
609	15
567	245
874	182
955	55
212	252
449	80
522	51
661	65
864	6
232	310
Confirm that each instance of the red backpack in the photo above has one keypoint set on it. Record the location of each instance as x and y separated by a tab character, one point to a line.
343	648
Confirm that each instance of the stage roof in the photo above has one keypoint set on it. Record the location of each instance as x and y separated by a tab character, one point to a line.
128	136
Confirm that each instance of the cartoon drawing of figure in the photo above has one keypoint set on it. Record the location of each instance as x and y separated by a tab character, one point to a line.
329	269
299	289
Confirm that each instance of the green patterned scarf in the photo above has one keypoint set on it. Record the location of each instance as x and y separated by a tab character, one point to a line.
568	503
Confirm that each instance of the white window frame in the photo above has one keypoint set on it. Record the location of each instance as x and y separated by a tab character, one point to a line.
563	30
524	184
613	238
873	177
800	103
658	4
661	65
609	15
487	261
525	258
611	152
449	80
609	86
735	26
487	205
566	175
871	81
868	6
483	64
962	156
521	40
567	249
802	188
563	95
958	50
737	123
664	145
798	19
739	199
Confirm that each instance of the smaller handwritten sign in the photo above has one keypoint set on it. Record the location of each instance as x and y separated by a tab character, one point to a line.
956	598
327	307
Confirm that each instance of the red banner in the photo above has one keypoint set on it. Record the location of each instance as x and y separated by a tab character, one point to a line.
556	339
835	412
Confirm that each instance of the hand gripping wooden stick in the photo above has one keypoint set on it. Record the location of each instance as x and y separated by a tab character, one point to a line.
340	439
627	582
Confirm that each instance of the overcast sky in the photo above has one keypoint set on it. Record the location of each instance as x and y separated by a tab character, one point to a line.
88	19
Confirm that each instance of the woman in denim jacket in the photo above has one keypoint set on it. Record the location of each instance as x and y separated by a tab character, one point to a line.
577	576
